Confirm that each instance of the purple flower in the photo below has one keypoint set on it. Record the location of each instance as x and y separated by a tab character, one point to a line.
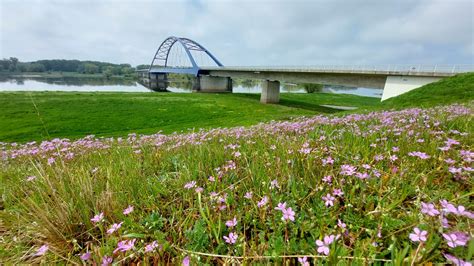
303	261
274	184
186	261
51	160
456	239
420	155
150	247
231	223
348	170
199	189
190	185
328	200
106	260
128	210
86	256
281	206
262	202
362	176
125	245
231	238
456	261
248	195
288	214
337	192
323	247
327	179
114	228
429	209
42	250
98	218
341	224
418	235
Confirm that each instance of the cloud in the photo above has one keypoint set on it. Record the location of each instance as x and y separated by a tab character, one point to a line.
243	32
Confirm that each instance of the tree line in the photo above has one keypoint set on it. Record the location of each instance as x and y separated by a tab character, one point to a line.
12	65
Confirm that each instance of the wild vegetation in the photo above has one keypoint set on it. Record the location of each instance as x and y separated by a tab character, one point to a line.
379	186
375	187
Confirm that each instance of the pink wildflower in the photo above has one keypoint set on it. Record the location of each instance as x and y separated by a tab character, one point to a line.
231	223
303	261
190	185
231	238
42	250
86	256
281	206
248	195
186	261
128	210
288	214
114	228
418	235
323	247
262	202
429	209
31	178
456	239
328	200
150	247
456	261
106	260
125	245
98	218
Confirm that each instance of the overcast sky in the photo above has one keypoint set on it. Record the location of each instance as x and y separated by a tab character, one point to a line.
243	32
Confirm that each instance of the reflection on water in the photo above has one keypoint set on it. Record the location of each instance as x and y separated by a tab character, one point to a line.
120	85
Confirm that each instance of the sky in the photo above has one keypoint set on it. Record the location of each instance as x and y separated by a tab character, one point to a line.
243	33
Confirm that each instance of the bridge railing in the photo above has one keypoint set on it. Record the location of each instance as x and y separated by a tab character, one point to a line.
411	69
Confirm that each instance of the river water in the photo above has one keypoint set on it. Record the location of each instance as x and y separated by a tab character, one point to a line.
118	85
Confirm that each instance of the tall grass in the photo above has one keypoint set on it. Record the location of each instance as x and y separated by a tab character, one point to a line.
186	189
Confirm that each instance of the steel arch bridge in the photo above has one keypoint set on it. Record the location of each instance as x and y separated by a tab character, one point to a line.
160	61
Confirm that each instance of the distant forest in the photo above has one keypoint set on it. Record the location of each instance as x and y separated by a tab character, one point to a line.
12	65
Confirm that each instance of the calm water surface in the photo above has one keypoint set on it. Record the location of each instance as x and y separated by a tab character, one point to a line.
103	85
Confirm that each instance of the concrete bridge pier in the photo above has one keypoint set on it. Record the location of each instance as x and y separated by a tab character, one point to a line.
270	92
158	81
212	84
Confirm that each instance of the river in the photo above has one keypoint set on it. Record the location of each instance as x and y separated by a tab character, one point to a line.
75	84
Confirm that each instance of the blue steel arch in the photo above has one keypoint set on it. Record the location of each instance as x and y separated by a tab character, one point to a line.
189	45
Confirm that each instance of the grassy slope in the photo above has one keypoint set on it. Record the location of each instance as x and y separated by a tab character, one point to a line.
459	88
75	115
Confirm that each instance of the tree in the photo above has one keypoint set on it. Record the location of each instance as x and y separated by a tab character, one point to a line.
90	68
36	67
13	62
311	88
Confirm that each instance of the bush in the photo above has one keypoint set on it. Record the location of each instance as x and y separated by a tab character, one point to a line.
312	88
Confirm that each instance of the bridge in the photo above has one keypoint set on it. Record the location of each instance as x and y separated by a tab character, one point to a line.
215	77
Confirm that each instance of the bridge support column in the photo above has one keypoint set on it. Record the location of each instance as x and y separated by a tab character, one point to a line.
158	81
270	92
215	84
396	85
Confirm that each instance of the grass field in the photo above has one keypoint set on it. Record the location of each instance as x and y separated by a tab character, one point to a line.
45	115
372	186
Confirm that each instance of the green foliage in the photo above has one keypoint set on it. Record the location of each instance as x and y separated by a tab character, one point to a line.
60	65
312	88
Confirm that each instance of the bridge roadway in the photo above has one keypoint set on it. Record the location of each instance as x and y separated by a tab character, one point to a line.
394	80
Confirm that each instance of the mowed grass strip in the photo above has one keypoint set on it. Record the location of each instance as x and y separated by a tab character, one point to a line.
27	116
